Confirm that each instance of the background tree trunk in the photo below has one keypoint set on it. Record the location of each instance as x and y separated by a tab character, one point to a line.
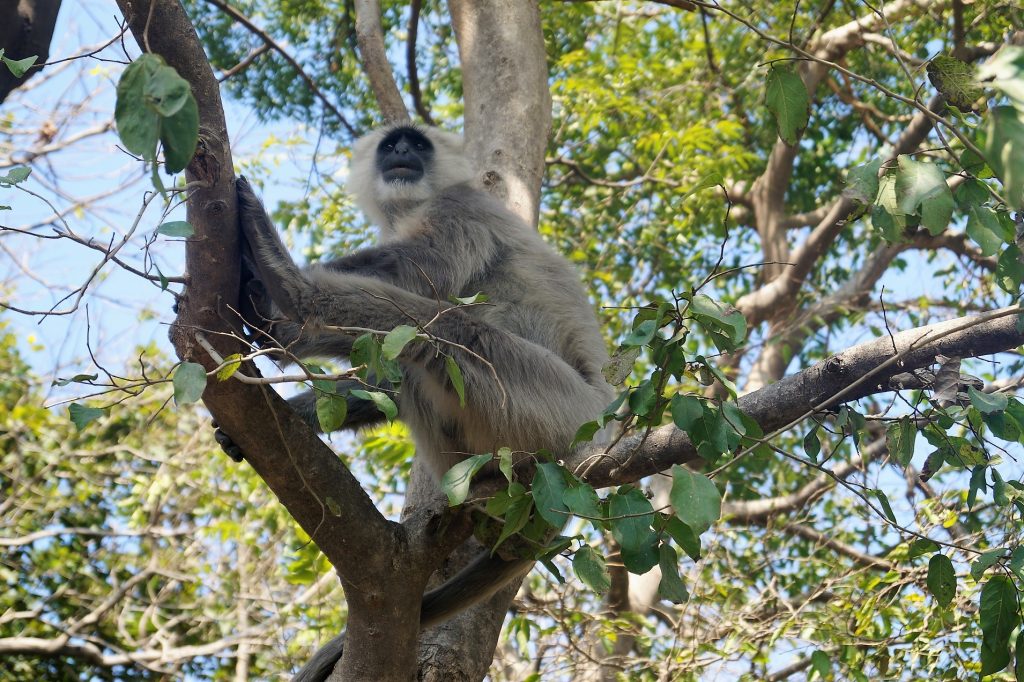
26	30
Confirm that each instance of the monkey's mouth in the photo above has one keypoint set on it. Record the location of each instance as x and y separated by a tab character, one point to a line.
402	171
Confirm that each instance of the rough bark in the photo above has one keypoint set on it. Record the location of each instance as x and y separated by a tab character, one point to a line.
26	31
384	566
508	105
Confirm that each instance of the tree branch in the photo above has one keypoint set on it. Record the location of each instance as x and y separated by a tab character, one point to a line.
309	479
373	54
410	62
854	373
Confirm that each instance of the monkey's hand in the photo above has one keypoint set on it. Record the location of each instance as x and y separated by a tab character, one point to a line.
229	446
282	280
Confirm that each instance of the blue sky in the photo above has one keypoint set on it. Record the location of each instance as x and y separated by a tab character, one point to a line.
121	311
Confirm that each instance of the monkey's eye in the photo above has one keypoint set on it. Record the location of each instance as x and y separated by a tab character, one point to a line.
420	146
388	147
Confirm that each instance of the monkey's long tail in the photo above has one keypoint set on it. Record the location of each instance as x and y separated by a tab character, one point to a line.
478	581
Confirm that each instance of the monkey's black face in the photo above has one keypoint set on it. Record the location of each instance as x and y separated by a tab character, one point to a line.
404	156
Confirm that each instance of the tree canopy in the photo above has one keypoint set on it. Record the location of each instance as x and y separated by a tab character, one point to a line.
800	226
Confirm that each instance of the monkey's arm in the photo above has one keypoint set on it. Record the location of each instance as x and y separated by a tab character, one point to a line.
532	397
436	262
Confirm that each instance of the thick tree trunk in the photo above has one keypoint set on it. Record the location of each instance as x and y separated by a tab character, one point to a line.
26	30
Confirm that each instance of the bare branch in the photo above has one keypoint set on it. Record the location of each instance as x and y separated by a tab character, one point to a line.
410	62
273	44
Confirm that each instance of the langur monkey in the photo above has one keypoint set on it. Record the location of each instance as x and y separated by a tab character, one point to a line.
440	237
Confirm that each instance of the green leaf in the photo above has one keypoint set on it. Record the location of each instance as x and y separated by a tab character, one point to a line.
993	658
231	365
886	215
862	182
686	410
711	180
383	402
18	67
82	415
984	229
505	463
478	297
331	410
671	586
77	379
189	383
998	617
642	333
921	188
396	340
456	481
1017	562
955	80
726	326
15	175
516	518
642	558
812	445
502	500
1018	663
987	403
590	568
821	663
455	377
630	515
582	500
1010	269
138	125
1005	71
941	579
886	507
899	437
179	134
920	547
986	560
548	488
176	228
1004	150
684	536
165	91
586	432
643	398
695	499
786	97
